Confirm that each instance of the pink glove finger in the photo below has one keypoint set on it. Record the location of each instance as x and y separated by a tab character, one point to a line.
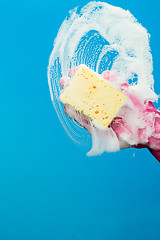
72	71
107	75
64	81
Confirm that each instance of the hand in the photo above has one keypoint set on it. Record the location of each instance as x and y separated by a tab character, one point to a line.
149	114
125	134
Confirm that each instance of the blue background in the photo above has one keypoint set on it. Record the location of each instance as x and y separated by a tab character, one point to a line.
49	189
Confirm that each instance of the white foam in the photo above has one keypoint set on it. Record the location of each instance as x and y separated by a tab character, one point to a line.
103	141
103	37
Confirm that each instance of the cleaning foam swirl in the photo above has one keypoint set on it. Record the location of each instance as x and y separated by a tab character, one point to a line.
103	37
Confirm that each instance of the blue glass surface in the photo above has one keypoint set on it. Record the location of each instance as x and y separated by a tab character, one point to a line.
49	189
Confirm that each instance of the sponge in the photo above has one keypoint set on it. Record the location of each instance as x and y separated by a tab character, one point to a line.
93	96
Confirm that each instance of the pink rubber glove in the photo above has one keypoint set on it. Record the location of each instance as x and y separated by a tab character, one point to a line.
120	127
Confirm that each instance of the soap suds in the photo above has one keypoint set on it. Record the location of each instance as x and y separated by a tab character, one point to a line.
104	37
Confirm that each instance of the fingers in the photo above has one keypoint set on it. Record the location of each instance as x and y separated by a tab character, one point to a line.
72	71
144	135
106	75
64	81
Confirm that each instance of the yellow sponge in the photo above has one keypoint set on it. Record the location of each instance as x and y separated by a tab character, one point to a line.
94	97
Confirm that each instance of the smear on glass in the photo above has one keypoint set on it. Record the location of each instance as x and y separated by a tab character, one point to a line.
110	42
